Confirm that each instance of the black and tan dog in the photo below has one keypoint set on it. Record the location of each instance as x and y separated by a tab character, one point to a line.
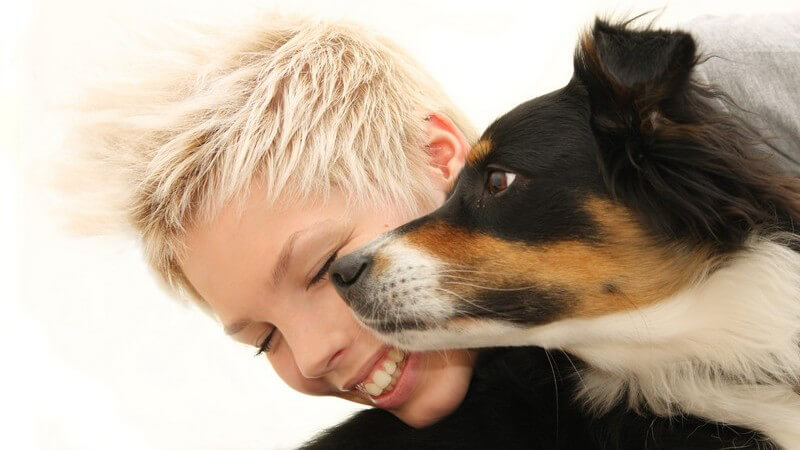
626	219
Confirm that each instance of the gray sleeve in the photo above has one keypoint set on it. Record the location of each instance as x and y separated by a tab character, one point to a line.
756	61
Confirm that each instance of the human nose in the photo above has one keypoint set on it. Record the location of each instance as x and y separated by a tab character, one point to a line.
316	348
316	364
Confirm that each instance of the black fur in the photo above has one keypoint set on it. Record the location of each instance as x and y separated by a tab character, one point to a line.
515	305
521	399
543	141
691	170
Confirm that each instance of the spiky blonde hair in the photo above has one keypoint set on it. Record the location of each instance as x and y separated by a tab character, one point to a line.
305	105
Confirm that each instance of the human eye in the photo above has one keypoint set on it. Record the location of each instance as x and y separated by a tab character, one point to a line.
323	270
263	347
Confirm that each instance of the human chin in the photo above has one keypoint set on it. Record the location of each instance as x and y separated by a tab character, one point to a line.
442	380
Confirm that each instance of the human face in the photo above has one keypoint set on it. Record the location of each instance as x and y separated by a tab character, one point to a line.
262	271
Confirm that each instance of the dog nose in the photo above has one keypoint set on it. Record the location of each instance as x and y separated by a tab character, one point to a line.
347	270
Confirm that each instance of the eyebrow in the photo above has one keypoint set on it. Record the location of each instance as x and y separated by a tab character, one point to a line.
285	256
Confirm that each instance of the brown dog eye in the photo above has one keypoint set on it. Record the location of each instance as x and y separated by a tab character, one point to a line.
499	181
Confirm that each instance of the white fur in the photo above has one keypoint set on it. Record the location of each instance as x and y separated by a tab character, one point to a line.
404	290
727	349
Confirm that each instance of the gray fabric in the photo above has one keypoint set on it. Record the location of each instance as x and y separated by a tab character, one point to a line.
756	61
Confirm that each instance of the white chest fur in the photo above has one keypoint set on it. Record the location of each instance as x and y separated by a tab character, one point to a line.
727	349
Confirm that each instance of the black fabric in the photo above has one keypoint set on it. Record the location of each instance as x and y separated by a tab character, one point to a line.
513	403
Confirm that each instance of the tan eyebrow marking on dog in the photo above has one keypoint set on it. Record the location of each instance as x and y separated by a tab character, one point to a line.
479	151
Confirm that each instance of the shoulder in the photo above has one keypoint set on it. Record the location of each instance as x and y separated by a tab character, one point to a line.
755	60
743	34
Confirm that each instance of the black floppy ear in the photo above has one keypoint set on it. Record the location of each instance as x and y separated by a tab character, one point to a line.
634	76
639	60
665	148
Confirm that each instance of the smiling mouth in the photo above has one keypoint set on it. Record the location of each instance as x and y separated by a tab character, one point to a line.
384	375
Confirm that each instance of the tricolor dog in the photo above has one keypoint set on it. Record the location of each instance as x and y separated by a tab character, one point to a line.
626	219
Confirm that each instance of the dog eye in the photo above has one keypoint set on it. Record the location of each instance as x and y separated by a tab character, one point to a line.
498	181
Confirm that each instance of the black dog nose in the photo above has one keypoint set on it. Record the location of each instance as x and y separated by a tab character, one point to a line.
347	270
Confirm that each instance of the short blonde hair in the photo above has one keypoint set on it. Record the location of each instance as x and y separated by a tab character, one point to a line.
304	105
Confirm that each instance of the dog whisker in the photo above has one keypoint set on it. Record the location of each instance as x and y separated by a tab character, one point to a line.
577	372
489	288
465	271
468	301
555	385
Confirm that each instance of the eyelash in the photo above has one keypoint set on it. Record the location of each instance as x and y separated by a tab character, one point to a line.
264	346
323	270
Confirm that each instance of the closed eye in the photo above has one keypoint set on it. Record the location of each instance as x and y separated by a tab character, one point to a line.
322	271
264	346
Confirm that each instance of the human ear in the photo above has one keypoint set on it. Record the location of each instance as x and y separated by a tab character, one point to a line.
447	148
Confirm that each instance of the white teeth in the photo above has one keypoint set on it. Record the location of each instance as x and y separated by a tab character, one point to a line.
381	378
386	379
373	389
396	355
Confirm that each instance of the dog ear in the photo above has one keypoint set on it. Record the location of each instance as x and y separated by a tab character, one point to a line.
666	149
633	77
638	61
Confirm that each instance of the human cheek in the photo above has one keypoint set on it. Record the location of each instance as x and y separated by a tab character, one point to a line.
282	361
290	374
442	386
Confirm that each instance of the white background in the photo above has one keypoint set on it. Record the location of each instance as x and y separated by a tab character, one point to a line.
92	354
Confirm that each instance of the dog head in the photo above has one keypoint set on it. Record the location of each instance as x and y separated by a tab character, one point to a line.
610	194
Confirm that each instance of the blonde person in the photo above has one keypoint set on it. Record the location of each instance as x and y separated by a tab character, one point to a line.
246	172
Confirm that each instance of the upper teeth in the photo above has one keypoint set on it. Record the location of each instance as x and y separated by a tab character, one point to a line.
386	378
373	389
381	378
396	355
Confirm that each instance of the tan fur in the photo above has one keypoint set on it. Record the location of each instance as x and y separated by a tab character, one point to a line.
611	275
479	151
380	263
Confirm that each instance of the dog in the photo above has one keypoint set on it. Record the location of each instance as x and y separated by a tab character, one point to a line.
626	219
